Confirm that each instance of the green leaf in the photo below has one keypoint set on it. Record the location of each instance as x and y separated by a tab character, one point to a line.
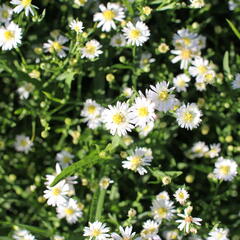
67	77
234	29
122	66
5	238
226	67
160	174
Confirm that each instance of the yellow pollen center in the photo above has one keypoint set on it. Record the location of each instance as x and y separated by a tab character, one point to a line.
23	143
187	117
66	159
109	15
186	54
181	83
96	232
187	41
68	211
8	35
118	118
163	95
91	109
225	170
5	14
90	49
56	191
134	34
181	195
57	46
162	212
202	69
188	219
26	3
142	112
135	162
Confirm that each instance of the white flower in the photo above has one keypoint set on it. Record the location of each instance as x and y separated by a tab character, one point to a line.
127	92
145	130
181	195
225	169
118	40
80	3
236	82
199	149
187	220
214	151
171	235
57	195
105	182
23	5
146	58
58	237
5	13
23	234
96	230
108	15
163	196
140	158
10	36
197	3
199	68
64	158
188	116
162	209
25	90
76	26
150	229
136	34
161	96
184	55
200	86
91	49
91	113
181	82
142	111
56	46
23	143
70	210
126	234
184	39
218	234
117	119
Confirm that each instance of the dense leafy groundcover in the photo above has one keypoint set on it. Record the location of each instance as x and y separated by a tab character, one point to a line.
119	120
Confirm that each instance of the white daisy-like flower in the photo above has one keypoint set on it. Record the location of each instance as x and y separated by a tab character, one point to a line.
136	34
80	3
184	55
163	196
108	15
58	237
181	82
125	234
197	3
200	86
150	229
181	195
91	49
188	116
171	235
23	234
76	26
56	46
161	96
140	158
188	221
117	119
23	5
118	40
65	158
96	230
105	182
162	209
142	111
218	234
199	68
236	82
225	169
23	143
57	195
10	36
214	150
199	149
127	92
25	90
145	130
184	39
70	210
91	113
5	13
146	59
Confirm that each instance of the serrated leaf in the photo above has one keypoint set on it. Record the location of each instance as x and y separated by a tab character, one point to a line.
234	29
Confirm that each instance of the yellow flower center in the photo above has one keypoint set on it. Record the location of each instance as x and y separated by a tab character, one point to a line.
188	219
181	83
68	211
109	15
56	191
66	159
134	34
5	14
90	49
96	232
57	46
185	54
187	117
26	3
181	195
187	41
209	77
23	143
162	212
142	111
76	28
91	109
118	118
8	35
163	95
135	162
225	170
202	69
118	41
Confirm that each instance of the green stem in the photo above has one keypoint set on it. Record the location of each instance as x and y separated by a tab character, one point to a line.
33	130
100	204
